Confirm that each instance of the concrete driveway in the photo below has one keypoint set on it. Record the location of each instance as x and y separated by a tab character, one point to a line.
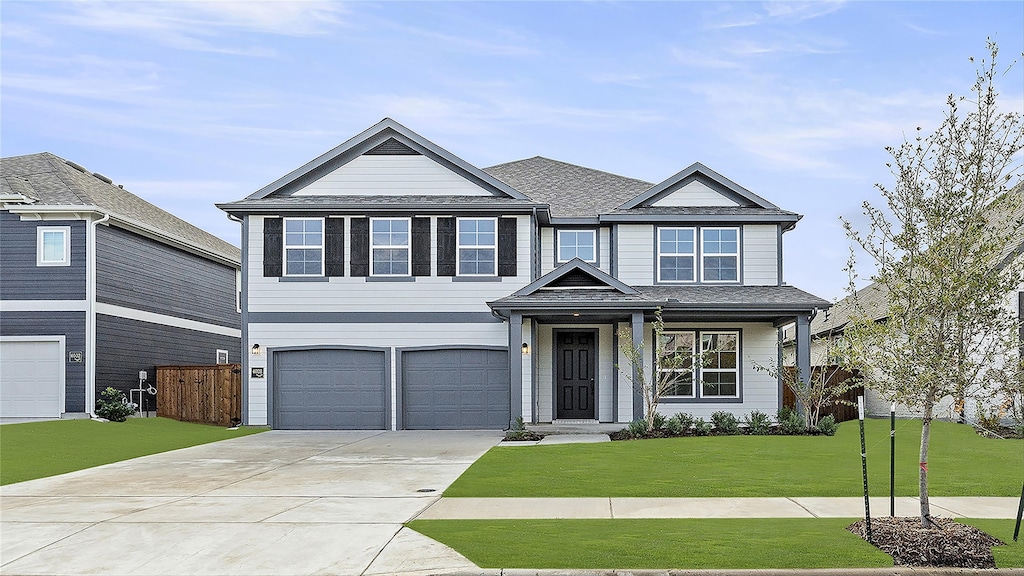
288	503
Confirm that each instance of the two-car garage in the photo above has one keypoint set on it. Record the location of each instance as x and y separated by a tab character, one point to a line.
352	388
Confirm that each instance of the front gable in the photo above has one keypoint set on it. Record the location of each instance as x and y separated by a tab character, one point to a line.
387	159
698	186
696	192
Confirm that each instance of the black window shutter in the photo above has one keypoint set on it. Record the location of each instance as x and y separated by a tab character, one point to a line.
334	247
273	245
421	246
360	265
507	246
446	246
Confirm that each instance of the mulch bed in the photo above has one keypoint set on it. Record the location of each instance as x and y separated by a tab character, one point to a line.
1002	432
951	544
522	436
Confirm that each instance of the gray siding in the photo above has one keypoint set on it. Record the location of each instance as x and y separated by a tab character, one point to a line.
124	347
136	272
22	279
69	324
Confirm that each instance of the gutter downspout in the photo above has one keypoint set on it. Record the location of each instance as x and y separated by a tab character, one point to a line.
90	316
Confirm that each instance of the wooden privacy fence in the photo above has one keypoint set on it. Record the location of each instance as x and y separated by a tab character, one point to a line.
205	394
841	412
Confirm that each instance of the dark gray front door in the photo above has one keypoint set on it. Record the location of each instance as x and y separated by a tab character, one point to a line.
329	389
452	389
574	374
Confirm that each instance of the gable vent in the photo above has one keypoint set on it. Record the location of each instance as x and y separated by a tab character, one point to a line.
391	147
577	279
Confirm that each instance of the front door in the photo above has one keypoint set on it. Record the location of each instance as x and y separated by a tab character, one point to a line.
574	379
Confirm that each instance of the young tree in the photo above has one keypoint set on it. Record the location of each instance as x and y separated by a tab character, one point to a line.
936	246
675	358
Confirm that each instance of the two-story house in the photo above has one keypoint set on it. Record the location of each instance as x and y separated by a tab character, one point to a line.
98	285
390	284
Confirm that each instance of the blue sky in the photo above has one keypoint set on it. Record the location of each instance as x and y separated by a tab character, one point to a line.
191	103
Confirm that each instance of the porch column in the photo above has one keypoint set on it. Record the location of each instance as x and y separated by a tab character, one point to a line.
638	340
515	366
803	348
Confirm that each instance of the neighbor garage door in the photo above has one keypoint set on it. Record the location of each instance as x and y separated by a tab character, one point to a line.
329	389
455	389
31	378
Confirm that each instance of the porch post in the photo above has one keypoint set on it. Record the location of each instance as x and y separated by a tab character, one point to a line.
638	340
803	349
515	366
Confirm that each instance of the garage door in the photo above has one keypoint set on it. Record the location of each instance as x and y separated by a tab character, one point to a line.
329	389
455	389
31	378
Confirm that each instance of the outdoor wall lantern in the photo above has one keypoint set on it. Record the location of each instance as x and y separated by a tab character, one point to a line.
526	349
255	349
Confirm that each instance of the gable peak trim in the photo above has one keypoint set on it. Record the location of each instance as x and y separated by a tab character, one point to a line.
695	171
576	265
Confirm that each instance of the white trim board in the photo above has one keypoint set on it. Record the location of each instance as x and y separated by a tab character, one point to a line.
164	320
43	306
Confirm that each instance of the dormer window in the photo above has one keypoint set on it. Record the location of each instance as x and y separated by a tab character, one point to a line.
677	254
580	244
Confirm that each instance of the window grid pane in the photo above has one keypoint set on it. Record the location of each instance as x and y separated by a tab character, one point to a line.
478	246
389	241
304	246
576	244
53	246
720	373
720	254
680	370
677	253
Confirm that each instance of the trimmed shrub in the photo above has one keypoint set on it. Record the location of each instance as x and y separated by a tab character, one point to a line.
113	405
758	423
828	425
637	428
679	424
658	421
702	428
793	424
725	423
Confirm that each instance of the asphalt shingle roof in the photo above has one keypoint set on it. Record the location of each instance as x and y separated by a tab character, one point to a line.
571	191
51	181
355	201
718	297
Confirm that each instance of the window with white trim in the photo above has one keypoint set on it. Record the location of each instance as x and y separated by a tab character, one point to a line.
720	254
580	244
53	246
222	356
676	363
303	247
477	247
719	373
389	246
677	254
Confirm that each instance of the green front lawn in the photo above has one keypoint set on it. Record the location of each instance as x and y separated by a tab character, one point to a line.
662	543
961	463
679	543
39	449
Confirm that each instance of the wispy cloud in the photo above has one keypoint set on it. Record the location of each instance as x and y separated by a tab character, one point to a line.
800	11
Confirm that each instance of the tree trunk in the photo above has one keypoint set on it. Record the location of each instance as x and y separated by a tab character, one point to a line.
926	427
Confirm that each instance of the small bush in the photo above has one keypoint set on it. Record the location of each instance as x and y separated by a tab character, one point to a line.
113	406
793	425
637	428
675	425
783	414
702	428
758	423
828	425
988	419
658	421
725	423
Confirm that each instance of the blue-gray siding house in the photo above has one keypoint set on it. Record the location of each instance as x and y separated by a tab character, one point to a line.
97	285
390	284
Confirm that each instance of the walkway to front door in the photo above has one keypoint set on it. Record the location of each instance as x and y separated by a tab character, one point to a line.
575	363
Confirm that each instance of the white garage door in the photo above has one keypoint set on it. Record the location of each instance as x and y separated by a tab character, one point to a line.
31	377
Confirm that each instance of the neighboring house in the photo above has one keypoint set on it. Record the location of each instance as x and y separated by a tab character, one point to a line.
97	285
872	302
390	284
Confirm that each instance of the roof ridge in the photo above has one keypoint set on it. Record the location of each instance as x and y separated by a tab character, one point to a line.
564	163
61	166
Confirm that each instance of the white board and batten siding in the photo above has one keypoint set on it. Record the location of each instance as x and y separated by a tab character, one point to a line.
696	193
392	176
358	294
546	369
760	255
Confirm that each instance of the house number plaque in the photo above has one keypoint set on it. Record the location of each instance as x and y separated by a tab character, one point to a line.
257	372
74	356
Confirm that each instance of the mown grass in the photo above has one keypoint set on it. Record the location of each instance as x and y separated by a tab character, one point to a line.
961	463
657	544
38	449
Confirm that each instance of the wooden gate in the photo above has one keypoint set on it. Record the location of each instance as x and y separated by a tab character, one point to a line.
842	412
205	394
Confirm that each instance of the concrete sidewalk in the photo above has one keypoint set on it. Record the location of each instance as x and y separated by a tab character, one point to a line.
555	508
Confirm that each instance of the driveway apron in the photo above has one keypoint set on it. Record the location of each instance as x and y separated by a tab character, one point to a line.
280	502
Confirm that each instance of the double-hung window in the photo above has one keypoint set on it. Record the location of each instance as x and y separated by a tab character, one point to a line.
477	247
53	246
677	254
389	244
303	247
580	244
719	373
720	254
675	366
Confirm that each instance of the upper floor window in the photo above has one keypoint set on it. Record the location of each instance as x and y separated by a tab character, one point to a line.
676	254
720	254
580	244
389	244
304	246
53	246
477	246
